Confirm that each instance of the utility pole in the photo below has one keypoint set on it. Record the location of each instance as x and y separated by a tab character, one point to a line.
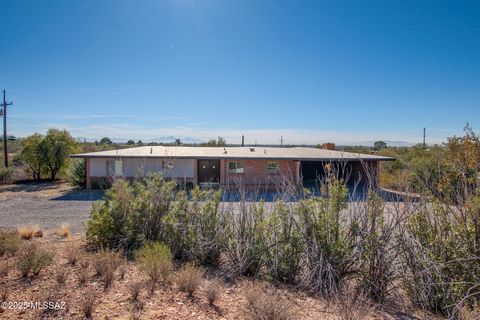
5	137
424	134
281	141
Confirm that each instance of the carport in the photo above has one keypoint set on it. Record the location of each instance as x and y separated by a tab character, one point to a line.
351	171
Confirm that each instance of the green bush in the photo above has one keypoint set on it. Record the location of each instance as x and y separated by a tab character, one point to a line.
193	229
328	249
78	173
9	243
283	238
6	175
33	259
155	260
442	256
245	238
131	213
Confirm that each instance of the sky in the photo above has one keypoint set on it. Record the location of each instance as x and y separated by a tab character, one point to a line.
349	72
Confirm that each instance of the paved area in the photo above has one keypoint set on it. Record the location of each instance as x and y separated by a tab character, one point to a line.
47	205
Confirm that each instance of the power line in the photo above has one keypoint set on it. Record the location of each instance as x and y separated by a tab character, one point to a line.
5	136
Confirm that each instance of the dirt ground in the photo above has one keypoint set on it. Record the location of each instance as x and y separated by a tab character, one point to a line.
166	302
45	204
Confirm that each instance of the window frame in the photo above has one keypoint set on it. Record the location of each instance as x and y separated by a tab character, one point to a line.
114	167
275	170
236	170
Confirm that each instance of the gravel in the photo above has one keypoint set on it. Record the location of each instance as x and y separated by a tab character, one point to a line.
46	205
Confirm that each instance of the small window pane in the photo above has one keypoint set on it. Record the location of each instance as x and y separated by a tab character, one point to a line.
273	167
235	167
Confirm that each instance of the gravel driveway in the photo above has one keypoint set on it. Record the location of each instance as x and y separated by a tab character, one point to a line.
47	205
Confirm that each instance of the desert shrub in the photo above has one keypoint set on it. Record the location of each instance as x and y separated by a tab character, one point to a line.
263	305
213	291
9	243
72	253
155	260
77	175
189	278
106	262
328	248
82	277
32	259
87	306
442	257
131	213
6	175
29	232
61	275
193	229
245	237
4	293
135	289
376	246
283	238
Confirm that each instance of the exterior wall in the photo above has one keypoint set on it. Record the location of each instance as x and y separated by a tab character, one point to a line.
183	168
255	173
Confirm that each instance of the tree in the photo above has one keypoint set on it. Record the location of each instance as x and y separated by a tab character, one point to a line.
220	142
379	145
106	140
78	173
55	148
140	142
30	155
130	142
178	142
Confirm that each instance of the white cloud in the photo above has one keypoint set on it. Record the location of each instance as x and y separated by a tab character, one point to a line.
261	135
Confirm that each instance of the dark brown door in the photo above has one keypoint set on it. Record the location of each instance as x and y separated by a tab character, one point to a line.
209	171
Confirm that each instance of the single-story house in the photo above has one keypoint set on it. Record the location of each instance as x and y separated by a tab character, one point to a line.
224	166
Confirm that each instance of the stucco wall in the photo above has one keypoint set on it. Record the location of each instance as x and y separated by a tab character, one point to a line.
183	168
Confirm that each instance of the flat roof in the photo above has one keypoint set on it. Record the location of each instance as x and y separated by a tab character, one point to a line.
295	153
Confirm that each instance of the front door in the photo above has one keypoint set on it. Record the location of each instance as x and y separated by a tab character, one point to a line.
208	171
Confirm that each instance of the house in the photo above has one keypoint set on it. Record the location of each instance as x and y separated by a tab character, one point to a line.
218	166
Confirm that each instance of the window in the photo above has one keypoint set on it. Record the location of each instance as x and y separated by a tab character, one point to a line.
168	164
235	167
115	168
273	167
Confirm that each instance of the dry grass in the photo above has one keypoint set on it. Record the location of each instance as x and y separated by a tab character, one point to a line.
87	306
72	253
4	293
32	259
9	243
189	278
351	307
63	231
61	275
82	277
30	232
263	305
103	261
155	260
213	291
135	289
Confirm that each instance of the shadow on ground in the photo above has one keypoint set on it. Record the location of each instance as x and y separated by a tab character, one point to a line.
80	195
30	186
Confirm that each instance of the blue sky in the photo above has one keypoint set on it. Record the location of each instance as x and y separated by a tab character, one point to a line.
312	71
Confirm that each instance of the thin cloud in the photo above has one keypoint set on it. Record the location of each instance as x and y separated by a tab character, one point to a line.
125	131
